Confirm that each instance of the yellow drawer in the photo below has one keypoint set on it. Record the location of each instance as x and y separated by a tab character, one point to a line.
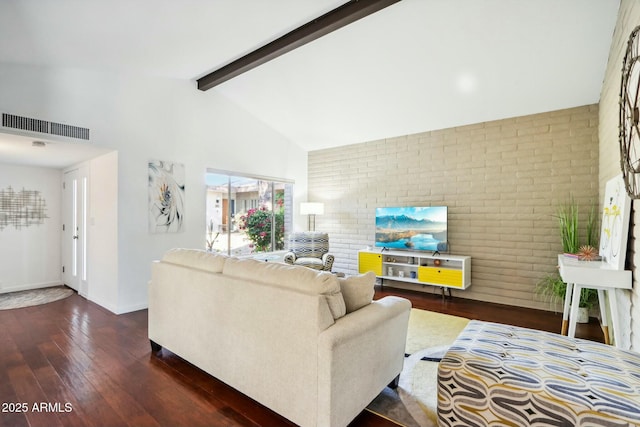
440	276
370	262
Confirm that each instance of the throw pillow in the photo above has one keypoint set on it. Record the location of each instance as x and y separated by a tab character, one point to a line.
357	291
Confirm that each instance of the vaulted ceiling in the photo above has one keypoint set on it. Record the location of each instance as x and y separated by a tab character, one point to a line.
415	66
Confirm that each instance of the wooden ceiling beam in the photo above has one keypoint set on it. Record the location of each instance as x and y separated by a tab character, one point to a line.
331	21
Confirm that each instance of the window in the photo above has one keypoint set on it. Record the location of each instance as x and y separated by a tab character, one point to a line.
247	214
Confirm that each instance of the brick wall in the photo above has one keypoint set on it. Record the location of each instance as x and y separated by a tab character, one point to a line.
501	180
628	18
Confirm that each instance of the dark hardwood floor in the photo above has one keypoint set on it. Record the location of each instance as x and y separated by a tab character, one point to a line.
73	363
524	317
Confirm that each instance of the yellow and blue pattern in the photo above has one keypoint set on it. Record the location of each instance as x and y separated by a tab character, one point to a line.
501	375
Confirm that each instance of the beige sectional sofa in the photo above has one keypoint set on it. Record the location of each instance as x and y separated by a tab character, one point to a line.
306	344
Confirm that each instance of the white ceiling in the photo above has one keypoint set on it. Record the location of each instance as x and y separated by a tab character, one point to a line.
415	66
17	149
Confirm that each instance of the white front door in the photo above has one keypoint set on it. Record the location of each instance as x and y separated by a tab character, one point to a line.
74	235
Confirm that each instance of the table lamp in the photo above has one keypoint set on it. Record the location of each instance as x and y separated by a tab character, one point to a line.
311	209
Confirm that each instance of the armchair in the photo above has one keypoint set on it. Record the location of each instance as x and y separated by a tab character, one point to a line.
310	249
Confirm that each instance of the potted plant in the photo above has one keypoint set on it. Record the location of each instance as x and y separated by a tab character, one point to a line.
568	221
569	226
553	290
551	287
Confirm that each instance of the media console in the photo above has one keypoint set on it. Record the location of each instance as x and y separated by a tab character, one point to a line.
417	269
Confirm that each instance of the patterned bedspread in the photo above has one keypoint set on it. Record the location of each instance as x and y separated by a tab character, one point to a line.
500	375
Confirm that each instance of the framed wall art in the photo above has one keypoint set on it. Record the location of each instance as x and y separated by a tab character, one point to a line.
166	196
616	211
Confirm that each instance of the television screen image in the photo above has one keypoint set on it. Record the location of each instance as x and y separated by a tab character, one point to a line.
412	228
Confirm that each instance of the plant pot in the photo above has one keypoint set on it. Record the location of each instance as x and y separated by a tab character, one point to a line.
583	315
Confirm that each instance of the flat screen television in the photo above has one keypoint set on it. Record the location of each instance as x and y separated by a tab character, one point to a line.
412	228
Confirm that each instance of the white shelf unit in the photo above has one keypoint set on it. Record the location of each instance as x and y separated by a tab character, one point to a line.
418	268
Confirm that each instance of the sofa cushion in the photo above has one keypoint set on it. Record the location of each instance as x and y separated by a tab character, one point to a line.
196	258
301	279
310	262
357	291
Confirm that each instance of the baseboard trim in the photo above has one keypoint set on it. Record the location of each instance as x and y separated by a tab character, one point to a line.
132	308
118	310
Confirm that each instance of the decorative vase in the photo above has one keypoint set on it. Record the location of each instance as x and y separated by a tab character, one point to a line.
583	315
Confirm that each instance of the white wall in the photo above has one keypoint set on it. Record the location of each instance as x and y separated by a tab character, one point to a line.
147	118
102	231
30	256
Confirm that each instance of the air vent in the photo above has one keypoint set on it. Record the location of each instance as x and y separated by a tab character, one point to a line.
43	126
25	123
70	131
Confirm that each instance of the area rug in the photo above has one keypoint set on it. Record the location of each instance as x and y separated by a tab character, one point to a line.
33	297
414	402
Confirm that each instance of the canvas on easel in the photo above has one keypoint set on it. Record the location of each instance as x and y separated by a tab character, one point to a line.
616	211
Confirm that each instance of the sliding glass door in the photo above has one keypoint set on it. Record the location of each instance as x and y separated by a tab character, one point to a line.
246	214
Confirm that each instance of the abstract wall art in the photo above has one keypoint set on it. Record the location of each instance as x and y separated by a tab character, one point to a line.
166	196
22	208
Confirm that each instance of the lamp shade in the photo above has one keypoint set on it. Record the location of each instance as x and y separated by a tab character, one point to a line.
309	208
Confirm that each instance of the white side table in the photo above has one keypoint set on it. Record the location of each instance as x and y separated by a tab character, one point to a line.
597	275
